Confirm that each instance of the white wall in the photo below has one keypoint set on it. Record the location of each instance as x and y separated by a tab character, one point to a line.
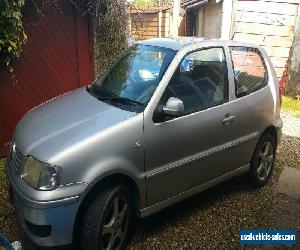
269	24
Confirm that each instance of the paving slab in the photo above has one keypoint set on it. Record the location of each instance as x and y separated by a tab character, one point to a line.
287	200
289	183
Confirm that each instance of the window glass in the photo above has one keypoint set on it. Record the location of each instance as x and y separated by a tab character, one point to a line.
250	72
200	81
131	81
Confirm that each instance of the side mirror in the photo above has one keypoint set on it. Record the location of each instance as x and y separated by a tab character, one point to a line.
174	107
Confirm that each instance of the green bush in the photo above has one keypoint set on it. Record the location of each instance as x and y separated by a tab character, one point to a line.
111	31
12	35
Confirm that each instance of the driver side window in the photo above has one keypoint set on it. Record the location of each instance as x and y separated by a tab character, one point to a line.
200	81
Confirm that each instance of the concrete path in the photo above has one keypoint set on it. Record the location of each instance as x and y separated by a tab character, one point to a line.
287	198
289	183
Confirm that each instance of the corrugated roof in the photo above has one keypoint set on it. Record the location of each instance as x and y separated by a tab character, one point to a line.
148	10
188	3
183	3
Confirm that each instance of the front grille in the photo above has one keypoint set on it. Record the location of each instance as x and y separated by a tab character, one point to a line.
17	159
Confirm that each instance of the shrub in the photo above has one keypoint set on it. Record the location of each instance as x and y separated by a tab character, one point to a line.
12	35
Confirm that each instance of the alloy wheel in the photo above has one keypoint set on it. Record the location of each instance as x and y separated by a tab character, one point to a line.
115	224
265	160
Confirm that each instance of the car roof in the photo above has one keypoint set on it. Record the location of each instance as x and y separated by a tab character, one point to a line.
180	42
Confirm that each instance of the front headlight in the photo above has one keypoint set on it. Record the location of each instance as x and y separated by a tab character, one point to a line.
40	175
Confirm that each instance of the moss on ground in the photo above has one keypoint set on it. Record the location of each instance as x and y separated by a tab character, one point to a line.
291	105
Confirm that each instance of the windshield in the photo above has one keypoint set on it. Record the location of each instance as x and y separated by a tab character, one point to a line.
131	81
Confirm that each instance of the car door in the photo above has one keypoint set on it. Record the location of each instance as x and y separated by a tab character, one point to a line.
186	151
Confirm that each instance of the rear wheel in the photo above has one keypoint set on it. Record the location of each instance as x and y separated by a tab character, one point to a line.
263	159
108	220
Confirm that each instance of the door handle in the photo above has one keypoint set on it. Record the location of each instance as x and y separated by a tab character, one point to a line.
228	119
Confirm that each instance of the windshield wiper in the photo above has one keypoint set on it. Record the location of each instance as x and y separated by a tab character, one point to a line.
125	100
102	94
99	92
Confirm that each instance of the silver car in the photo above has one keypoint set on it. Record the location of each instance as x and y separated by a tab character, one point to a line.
167	120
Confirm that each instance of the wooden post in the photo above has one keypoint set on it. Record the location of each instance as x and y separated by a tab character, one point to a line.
226	19
159	24
293	81
167	25
176	9
296	50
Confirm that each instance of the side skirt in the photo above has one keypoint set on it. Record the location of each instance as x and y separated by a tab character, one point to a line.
181	196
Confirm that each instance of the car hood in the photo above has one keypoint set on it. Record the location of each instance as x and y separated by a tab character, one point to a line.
64	121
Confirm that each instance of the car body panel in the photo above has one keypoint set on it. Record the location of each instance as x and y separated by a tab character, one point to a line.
183	155
63	122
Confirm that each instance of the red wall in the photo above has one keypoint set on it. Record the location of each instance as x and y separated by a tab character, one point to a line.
56	59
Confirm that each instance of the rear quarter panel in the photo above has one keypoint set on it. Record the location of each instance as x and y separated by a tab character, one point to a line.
258	110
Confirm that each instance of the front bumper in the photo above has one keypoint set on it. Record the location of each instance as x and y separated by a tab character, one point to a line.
47	226
47	223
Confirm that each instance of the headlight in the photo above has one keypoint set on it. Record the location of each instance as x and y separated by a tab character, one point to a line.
40	175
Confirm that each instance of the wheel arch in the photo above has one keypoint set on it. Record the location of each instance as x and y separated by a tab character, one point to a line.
271	130
112	179
268	130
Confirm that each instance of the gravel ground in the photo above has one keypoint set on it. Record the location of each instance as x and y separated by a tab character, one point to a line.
209	220
8	221
290	146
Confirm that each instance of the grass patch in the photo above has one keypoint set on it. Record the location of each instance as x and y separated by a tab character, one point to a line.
291	105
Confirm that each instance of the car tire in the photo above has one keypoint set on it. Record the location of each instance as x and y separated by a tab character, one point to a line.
108	221
263	159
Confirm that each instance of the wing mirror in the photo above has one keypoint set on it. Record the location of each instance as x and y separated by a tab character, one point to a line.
173	107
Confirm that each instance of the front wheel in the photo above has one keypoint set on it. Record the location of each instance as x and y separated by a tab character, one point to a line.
108	220
263	159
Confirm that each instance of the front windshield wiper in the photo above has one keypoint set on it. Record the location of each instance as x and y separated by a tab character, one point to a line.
99	92
125	100
102	94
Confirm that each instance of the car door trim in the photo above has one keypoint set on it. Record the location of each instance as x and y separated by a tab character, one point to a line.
183	195
204	154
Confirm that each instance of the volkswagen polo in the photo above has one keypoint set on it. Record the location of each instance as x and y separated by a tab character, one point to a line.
165	121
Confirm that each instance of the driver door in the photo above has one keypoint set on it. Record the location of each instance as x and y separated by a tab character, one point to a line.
181	150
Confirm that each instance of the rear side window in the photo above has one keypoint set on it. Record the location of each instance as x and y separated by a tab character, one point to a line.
250	72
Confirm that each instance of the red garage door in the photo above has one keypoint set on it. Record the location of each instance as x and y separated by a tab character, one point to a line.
55	59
